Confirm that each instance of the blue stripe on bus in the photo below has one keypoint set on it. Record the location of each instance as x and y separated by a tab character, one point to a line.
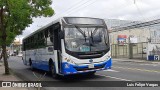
72	70
84	66
43	65
108	64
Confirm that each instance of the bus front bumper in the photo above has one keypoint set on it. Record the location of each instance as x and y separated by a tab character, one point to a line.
68	69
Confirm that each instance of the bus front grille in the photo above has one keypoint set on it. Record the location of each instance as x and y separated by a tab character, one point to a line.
86	68
90	56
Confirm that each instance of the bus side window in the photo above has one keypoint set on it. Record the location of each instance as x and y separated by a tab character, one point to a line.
41	40
49	36
46	33
35	39
51	39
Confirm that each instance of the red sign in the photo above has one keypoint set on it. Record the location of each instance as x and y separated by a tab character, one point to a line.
122	36
122	39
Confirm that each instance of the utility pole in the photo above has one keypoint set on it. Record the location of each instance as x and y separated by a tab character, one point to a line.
134	1
130	46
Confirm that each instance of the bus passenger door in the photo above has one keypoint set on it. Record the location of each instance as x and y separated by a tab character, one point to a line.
57	48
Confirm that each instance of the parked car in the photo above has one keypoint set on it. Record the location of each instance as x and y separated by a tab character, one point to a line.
12	54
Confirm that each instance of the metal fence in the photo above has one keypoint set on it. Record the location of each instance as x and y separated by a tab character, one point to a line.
137	51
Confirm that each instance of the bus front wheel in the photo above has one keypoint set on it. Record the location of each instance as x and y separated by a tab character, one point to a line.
53	70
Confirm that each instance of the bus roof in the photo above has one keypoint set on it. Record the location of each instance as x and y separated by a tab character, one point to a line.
42	28
56	21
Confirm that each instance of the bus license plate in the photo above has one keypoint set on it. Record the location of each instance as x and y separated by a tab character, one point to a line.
91	66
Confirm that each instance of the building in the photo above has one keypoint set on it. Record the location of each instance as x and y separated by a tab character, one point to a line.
135	35
15	48
123	32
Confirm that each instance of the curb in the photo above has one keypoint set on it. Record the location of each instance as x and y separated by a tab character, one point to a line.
17	75
138	61
22	78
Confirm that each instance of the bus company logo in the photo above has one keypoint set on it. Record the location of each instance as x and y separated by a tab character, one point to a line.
6	84
91	61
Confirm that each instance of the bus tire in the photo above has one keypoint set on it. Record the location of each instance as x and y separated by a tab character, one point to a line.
30	64
53	70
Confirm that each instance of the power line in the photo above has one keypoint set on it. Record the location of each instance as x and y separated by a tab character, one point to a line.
72	8
79	6
134	1
144	24
132	22
140	12
77	3
73	5
138	23
83	6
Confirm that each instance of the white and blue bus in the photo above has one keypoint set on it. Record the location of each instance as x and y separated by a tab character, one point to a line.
69	45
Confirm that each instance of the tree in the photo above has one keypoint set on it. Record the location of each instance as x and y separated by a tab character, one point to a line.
15	16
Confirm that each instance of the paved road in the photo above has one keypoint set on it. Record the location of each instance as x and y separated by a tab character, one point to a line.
121	71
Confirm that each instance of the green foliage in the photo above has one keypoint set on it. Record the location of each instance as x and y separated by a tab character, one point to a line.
18	14
15	16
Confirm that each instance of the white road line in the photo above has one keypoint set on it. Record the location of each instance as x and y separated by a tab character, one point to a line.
148	64
151	64
111	70
138	69
140	61
114	61
114	77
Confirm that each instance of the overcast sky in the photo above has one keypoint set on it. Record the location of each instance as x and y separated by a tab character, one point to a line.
141	10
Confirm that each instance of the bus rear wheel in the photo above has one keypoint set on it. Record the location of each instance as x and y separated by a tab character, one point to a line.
53	70
30	64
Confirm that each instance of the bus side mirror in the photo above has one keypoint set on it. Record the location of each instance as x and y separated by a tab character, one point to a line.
61	34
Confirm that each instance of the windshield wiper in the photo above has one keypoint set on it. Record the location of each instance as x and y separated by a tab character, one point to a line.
94	32
83	33
80	31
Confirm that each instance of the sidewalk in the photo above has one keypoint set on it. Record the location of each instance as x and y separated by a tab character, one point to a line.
135	60
10	77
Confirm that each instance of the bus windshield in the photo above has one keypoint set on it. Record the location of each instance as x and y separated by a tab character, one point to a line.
85	39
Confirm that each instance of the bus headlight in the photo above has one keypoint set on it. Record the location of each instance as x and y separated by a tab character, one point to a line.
108	55
69	60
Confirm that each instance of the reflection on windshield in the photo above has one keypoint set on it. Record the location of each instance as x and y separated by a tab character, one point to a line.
85	39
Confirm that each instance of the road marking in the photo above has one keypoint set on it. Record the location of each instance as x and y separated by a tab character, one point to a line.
154	64
156	71
114	61
137	61
111	70
114	77
149	64
133	61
